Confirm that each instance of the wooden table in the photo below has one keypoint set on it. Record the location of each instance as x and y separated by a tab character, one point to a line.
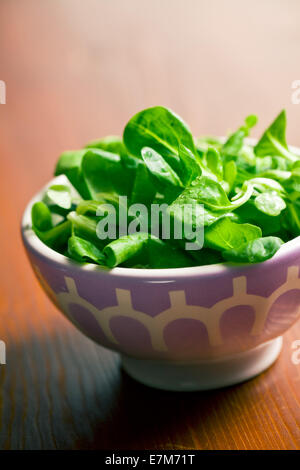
78	70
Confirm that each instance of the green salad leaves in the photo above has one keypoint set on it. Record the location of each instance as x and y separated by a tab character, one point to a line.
125	198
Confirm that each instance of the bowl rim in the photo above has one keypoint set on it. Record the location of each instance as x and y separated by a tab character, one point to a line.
31	240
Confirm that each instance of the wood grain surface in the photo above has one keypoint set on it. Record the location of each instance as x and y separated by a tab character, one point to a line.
78	70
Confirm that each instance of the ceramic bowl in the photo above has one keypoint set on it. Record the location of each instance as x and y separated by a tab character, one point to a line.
177	329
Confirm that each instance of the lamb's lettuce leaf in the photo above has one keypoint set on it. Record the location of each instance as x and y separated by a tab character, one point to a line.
242	201
273	141
254	251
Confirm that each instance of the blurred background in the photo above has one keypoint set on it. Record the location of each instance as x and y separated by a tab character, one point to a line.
78	70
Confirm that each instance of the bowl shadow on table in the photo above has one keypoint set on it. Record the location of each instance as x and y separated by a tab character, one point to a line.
146	418
72	394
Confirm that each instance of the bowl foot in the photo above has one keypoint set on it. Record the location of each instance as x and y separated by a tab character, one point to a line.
205	374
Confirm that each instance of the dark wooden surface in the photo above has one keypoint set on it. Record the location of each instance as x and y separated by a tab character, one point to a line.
78	70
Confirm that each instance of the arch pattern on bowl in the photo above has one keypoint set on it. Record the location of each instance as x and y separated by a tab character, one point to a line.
152	334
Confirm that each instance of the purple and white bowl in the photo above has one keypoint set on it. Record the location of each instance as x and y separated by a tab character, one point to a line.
177	329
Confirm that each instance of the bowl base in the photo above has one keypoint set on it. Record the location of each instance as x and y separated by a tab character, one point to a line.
205	374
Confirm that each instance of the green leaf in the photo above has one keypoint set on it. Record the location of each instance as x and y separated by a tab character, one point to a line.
292	182
90	207
242	199
123	249
278	175
214	162
254	251
204	142
225	234
206	191
104	172
270	203
59	195
235	141
206	256
84	251
160	129
273	141
144	189
111	143
251	121
194	219
57	236
85	227
268	163
159	168
269	225
162	255
292	218
190	168
209	192
230	173
41	217
69	164
196	216
263	184
114	144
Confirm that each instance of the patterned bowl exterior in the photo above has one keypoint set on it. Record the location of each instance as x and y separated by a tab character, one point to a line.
182	314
